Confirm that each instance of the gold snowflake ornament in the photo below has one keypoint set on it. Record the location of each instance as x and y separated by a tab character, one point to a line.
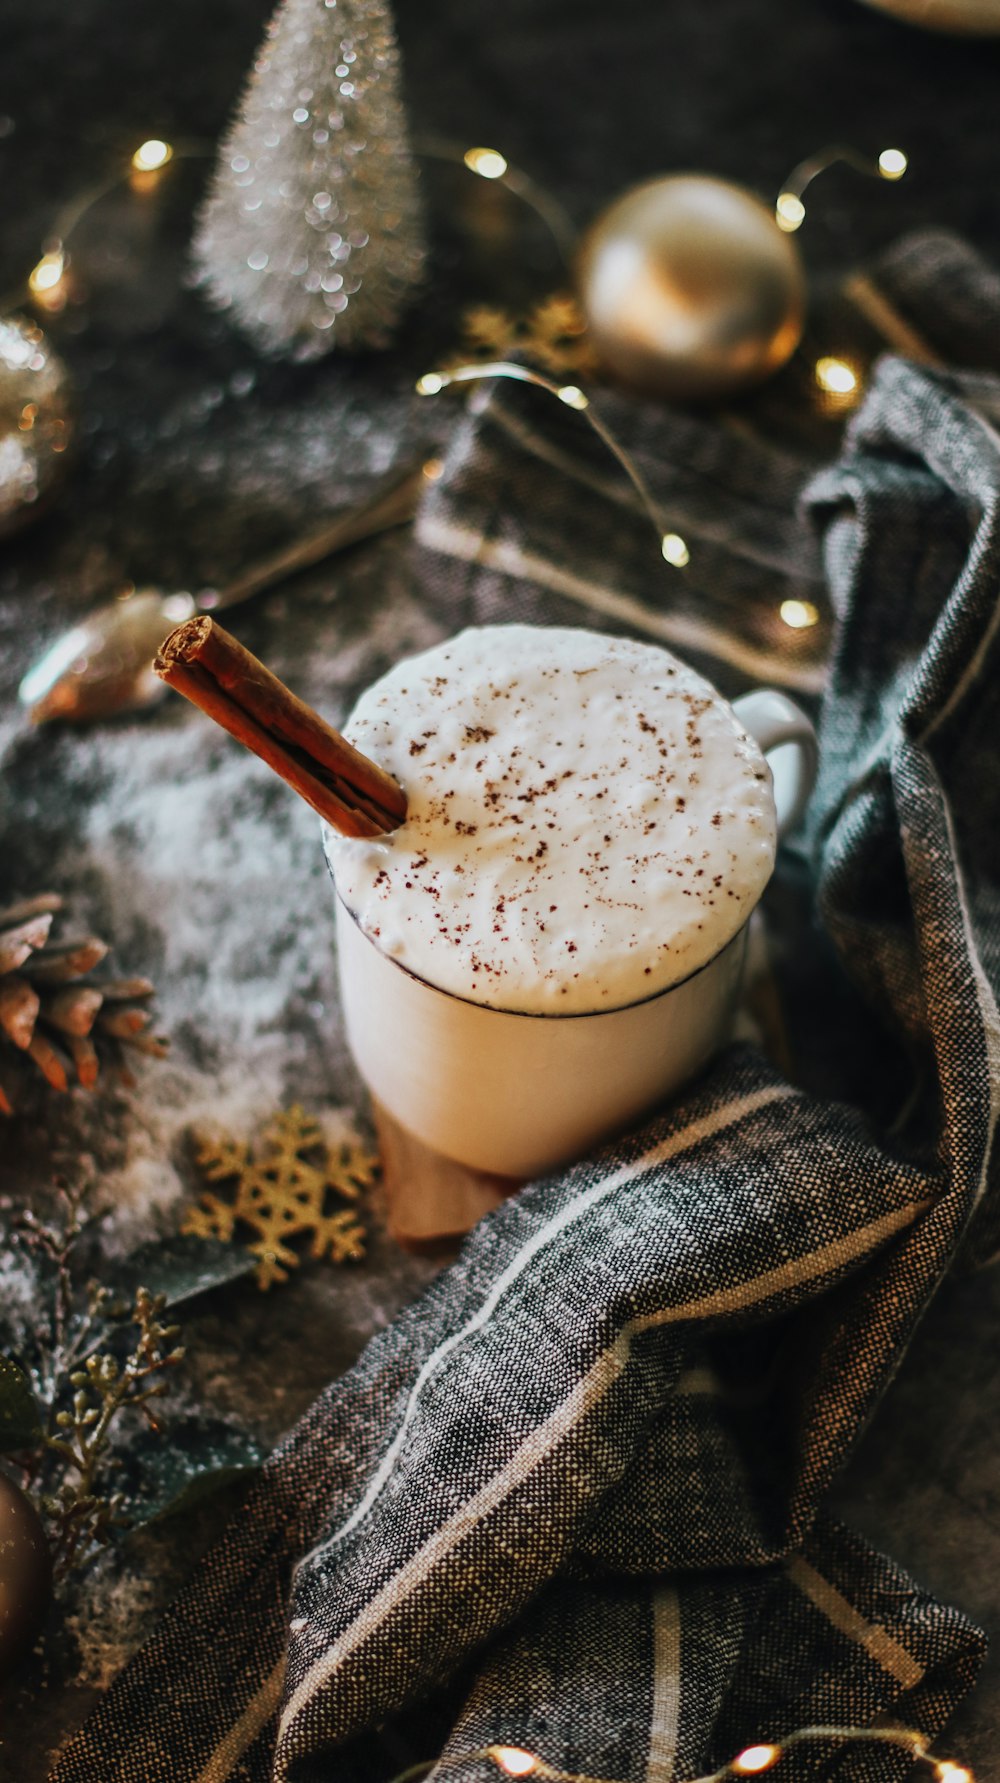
284	1187
553	336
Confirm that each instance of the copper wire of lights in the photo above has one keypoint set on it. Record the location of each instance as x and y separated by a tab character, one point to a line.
753	1761
789	209
493	165
797	615
47	281
837	381
673	548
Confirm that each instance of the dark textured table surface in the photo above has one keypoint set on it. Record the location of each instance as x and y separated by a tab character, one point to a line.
194	455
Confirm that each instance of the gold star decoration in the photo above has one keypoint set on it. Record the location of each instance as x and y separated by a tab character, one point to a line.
284	1187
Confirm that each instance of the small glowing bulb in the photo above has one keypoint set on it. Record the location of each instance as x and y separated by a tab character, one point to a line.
675	550
151	155
48	272
789	212
799	614
488	163
573	397
755	1758
430	384
836	376
514	1761
948	1772
892	164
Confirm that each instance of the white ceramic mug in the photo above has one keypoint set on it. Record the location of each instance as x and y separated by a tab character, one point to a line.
517	1094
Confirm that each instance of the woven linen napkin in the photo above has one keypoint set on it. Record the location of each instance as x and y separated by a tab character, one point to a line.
571	1499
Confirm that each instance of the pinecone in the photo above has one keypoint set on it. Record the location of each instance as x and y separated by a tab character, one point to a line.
53	1017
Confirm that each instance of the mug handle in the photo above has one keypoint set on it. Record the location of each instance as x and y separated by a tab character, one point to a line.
787	738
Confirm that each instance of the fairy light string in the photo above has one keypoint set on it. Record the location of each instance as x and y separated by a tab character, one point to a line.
673	548
838	382
48	281
797	615
836	379
789	211
789	208
753	1761
492	165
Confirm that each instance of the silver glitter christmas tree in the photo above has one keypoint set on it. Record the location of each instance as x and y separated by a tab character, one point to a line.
312	232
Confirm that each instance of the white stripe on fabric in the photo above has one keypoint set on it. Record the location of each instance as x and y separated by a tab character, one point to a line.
664	1720
571	1211
988	1013
547	1437
258	1710
876	1640
971	674
979	655
684	629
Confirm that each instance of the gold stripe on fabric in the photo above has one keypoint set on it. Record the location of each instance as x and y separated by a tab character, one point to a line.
243	1733
876	1640
665	1718
691	633
791	1274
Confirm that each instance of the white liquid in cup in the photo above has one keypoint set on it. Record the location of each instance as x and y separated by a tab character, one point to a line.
553	939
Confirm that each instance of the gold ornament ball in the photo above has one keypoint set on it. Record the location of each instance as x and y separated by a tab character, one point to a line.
25	1574
36	420
966	18
690	290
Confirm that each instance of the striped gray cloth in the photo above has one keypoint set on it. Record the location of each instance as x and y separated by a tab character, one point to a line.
572	1499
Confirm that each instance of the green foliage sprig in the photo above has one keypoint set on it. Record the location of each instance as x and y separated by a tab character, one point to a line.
80	1386
88	1359
82	1519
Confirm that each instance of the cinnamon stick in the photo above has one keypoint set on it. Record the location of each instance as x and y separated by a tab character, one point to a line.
207	665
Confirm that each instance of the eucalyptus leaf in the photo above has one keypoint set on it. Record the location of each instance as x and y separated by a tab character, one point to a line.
201	1487
20	1421
190	1458
181	1267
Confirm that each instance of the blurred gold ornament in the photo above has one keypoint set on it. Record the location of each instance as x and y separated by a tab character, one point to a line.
968	18
25	1574
36	420
690	288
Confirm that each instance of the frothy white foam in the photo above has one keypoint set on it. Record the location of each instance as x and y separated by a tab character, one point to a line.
587	822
